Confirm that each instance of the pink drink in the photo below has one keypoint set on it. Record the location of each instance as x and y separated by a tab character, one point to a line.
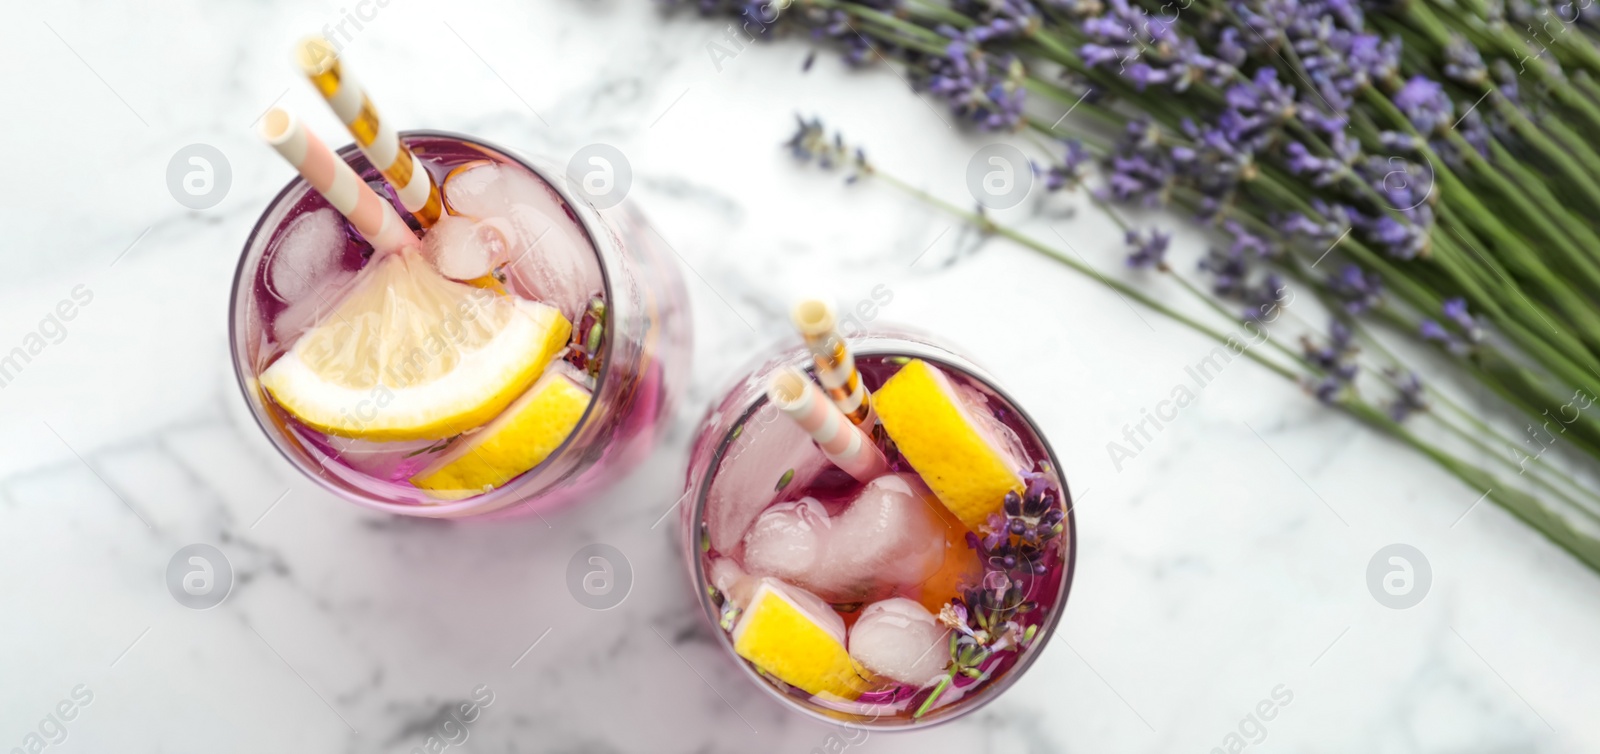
763	507
518	235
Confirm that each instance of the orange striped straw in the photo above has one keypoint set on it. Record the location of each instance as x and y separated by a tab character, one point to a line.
836	367
842	442
418	192
373	217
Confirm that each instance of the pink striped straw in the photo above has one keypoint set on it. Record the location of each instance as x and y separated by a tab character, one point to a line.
840	439
374	218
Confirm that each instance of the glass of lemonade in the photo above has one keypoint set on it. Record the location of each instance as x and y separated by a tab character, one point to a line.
890	603
523	356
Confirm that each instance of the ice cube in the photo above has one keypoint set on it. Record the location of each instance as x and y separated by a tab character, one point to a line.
891	534
790	541
464	249
732	581
889	538
899	639
305	313
748	479
550	256
311	248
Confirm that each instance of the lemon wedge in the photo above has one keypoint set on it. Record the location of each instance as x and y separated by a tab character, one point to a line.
410	355
526	433
794	636
958	453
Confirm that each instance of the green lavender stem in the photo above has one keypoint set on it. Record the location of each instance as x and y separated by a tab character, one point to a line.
1543	519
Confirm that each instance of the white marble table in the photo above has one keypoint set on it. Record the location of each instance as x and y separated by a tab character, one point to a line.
1216	568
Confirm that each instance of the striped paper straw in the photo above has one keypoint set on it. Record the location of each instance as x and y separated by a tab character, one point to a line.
377	138
836	367
373	217
842	442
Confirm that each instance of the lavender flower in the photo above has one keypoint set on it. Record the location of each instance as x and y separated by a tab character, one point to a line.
1425	103
1263	96
1068	173
836	25
1146	50
1325	171
1356	289
1337	219
1229	50
1400	237
1433	331
1149	249
1230	273
1263	298
998	19
1475	132
1463	62
1273	70
1245	242
1398	142
1335	359
982	88
1408	396
1455	312
1223	153
1139	169
1403	183
1339	57
810	144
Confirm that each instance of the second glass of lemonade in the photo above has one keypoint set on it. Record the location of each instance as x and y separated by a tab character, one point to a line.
523	356
894	597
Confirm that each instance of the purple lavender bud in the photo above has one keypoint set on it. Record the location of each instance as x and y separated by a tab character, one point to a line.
1328	389
1228	47
1463	62
1430	330
1247	243
1408	397
1149	248
1356	289
1398	142
1455	310
1423	101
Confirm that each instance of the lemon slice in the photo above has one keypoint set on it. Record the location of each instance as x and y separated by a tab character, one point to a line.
957	453
793	635
526	433
410	355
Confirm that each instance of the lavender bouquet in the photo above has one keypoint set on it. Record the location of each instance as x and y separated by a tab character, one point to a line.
1421	167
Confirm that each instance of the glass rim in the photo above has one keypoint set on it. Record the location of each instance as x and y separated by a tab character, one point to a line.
891	344
494	500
